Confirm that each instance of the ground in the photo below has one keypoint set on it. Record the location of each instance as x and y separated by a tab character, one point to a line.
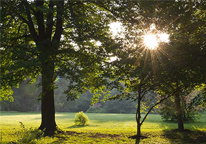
19	127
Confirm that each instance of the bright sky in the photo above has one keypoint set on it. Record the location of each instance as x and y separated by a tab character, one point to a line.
163	37
150	40
116	28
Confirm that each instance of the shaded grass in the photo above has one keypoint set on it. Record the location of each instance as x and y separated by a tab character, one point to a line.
185	136
103	128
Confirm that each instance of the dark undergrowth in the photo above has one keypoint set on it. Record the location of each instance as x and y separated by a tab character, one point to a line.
186	136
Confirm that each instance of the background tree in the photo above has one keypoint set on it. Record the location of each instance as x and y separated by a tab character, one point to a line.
173	64
177	67
190	106
184	72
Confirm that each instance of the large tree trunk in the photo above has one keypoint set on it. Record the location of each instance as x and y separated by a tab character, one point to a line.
48	124
179	112
48	46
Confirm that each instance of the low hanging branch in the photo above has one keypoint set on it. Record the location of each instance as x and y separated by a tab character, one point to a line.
156	105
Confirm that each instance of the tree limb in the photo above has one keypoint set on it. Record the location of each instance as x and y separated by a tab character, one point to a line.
156	105
30	22
59	23
40	19
50	22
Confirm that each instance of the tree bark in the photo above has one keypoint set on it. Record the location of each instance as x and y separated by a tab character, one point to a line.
48	124
179	112
138	116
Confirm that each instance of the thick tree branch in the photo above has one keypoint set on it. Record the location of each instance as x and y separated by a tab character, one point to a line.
30	22
40	19
59	23
50	22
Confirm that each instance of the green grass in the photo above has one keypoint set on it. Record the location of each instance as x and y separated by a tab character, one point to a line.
102	128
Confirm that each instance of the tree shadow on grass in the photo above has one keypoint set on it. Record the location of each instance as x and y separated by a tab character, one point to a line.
75	126
138	140
185	136
64	135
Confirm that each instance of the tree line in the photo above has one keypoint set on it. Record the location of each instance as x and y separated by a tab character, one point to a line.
26	99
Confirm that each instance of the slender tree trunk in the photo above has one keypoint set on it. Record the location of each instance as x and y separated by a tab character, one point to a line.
138	116
179	112
48	124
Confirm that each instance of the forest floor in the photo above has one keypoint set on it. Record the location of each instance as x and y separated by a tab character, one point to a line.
17	127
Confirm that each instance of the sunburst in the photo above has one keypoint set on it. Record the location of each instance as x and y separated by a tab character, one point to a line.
151	41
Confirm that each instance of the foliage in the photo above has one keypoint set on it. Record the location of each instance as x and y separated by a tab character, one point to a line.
191	105
58	38
6	94
171	68
77	57
25	98
81	119
30	135
168	111
51	39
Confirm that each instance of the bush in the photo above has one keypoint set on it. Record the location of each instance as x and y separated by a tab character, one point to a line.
168	111
81	119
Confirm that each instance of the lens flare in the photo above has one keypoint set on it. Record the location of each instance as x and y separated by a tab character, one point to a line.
57	79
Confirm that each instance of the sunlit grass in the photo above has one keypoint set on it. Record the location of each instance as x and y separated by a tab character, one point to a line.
116	124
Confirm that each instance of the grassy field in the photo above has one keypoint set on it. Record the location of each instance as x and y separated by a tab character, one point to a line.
102	128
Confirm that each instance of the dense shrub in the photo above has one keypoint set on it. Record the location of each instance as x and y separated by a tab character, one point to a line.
81	119
168	111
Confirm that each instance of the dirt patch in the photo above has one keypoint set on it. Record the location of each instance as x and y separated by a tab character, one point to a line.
63	134
71	133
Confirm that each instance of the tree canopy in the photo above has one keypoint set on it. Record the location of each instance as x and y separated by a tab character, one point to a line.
54	38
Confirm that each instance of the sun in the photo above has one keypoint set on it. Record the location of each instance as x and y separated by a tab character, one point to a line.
150	41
